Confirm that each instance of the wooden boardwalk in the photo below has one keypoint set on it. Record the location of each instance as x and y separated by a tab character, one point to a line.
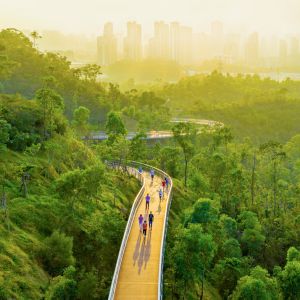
139	273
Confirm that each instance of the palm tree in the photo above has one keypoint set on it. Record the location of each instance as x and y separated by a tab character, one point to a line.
35	35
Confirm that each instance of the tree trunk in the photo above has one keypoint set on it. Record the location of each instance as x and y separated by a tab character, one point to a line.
44	117
253	179
202	285
275	187
3	199
25	189
185	171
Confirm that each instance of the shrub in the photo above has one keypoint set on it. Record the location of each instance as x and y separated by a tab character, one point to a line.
57	253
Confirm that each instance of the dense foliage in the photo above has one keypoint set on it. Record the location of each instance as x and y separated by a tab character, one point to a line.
235	218
25	70
247	215
62	211
258	108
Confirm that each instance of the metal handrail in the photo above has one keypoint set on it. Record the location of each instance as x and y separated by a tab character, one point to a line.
135	164
126	234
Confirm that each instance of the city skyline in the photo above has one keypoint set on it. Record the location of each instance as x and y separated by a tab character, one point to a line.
178	42
86	17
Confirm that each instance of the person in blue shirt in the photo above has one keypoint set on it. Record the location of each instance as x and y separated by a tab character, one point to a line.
160	194
152	174
167	182
147	201
151	218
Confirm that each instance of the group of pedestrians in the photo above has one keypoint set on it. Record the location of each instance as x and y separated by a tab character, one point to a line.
143	223
164	188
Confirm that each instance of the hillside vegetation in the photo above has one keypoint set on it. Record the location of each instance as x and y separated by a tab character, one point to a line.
234	230
63	212
261	109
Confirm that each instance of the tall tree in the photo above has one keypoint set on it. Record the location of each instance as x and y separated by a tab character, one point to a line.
275	154
81	117
184	134
89	72
259	285
35	36
289	277
114	126
193	253
51	103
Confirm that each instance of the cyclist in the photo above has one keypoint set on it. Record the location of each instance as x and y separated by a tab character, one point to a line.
145	228
141	219
147	201
151	219
140	170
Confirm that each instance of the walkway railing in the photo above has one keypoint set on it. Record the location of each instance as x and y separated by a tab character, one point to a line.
132	169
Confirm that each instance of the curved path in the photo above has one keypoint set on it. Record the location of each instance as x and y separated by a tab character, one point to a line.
138	273
159	134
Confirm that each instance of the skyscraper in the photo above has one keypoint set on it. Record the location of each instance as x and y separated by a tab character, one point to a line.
161	40
216	39
231	48
133	42
294	47
174	41
283	52
252	49
107	46
185	45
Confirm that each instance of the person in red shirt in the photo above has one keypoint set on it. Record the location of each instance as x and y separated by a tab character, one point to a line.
145	228
163	185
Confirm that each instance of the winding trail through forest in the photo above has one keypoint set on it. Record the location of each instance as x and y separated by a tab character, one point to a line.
138	272
156	134
139	269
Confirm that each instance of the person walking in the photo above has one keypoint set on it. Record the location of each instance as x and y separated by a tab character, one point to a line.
147	201
145	228
167	183
151	219
160	194
141	219
152	175
163	183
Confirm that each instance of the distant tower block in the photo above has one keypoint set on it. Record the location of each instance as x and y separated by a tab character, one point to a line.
107	46
133	42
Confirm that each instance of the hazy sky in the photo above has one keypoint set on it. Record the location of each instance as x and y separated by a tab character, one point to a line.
87	16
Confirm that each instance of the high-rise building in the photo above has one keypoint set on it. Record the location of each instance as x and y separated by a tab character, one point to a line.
216	39
133	42
216	29
294	47
181	44
201	51
107	46
185	45
252	49
231	48
283	52
174	41
160	44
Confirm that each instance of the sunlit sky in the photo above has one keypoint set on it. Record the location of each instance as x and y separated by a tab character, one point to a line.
88	16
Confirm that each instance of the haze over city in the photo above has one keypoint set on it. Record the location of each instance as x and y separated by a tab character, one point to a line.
150	149
255	33
267	16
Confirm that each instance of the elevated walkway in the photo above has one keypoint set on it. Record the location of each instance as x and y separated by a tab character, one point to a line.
139	269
